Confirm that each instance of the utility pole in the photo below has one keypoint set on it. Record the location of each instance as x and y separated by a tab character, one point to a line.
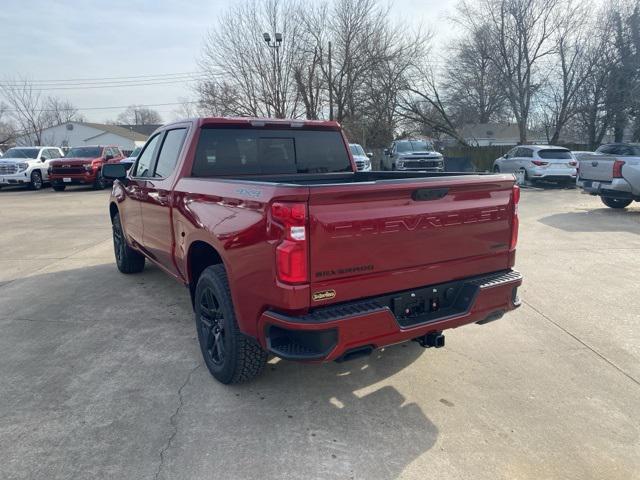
330	86
275	46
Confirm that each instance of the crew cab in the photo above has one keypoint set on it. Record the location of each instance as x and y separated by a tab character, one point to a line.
412	154
83	166
27	166
287	250
612	173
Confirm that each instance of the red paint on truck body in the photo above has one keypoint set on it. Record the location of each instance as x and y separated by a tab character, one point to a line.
364	239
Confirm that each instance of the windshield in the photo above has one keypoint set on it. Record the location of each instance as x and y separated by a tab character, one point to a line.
414	146
555	154
135	152
22	153
356	149
84	152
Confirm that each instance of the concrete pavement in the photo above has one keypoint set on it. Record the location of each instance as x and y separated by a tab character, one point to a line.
101	376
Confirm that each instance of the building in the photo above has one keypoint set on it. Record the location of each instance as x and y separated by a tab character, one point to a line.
487	134
73	134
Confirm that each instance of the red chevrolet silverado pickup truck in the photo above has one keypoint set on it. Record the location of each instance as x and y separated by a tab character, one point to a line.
287	250
83	166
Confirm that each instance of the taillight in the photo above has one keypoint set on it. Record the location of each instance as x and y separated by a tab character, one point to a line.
292	252
617	168
539	163
515	222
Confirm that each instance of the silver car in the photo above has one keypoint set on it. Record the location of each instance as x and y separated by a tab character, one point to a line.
539	162
363	160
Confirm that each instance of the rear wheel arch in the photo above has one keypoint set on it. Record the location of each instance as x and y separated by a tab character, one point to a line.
200	256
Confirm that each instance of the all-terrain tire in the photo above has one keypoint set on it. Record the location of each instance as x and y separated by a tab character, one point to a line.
615	202
242	358
127	259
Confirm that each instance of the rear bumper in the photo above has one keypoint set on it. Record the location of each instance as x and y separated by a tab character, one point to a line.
616	188
552	174
327	333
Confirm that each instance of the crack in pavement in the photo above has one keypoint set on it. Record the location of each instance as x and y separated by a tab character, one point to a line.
589	347
172	422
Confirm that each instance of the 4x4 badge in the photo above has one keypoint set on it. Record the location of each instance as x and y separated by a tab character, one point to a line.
324	295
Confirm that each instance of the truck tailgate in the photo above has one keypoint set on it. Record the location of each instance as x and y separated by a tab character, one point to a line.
360	231
596	167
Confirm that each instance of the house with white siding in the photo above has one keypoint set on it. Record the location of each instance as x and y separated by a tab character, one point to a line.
74	134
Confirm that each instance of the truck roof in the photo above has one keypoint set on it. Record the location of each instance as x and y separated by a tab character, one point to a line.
262	122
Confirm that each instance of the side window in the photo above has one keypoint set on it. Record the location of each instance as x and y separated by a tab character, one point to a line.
54	153
169	152
45	154
625	150
515	153
526	152
606	149
143	165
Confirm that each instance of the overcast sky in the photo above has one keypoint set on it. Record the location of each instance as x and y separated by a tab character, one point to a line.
53	40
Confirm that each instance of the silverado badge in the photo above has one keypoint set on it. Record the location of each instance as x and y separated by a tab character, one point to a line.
324	295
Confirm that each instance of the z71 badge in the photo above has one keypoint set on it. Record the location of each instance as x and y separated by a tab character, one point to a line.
324	295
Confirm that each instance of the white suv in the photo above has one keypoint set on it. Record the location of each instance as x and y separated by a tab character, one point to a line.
27	166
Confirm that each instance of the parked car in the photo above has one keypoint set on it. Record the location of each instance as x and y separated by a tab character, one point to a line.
412	155
363	160
83	166
128	161
27	166
539	162
265	222
613	173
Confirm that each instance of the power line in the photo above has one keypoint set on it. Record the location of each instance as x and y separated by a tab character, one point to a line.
87	87
87	79
114	107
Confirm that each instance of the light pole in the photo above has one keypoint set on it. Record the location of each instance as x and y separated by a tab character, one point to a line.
275	47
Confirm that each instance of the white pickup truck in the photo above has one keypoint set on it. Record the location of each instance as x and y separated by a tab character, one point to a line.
613	173
27	166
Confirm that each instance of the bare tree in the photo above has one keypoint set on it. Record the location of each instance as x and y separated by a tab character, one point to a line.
422	102
139	115
521	37
28	108
246	76
7	130
572	68
472	82
61	111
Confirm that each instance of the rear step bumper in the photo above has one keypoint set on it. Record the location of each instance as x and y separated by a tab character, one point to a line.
329	333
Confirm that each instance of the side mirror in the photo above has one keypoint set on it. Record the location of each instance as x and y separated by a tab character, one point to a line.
108	157
386	151
370	154
42	159
114	171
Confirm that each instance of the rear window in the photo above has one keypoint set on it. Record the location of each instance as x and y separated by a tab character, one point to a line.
244	151
555	154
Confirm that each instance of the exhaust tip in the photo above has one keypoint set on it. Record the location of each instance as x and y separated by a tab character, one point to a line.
355	353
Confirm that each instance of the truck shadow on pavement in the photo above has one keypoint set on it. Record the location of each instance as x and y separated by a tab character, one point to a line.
113	378
596	220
